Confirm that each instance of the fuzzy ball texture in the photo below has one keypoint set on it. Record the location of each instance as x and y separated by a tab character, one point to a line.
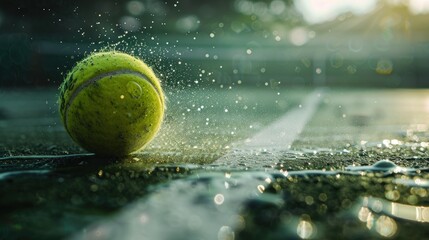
111	103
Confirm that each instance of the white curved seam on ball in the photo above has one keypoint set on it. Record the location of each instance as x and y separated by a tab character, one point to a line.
101	76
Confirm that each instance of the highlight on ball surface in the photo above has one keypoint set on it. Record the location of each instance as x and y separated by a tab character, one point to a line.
111	103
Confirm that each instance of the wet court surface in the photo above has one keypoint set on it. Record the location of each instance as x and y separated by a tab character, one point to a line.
355	167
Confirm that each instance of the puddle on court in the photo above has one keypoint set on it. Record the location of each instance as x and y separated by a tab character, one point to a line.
349	192
313	204
295	197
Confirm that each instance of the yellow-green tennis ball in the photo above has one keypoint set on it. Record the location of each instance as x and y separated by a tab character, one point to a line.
111	103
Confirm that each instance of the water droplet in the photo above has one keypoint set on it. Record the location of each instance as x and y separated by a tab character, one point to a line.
226	232
386	164
219	199
384	67
305	229
351	69
134	89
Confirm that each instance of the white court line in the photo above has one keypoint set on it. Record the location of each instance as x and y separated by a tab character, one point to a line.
194	209
5	175
283	132
277	136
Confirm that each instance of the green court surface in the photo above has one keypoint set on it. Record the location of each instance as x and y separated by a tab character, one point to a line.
285	119
202	179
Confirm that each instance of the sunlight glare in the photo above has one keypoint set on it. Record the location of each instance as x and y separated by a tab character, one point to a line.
318	11
419	6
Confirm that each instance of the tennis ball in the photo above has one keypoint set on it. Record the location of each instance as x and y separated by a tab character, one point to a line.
111	103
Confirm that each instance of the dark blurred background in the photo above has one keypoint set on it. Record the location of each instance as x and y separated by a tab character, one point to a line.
366	43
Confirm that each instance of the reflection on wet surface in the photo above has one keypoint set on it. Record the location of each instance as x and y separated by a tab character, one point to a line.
348	178
297	205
